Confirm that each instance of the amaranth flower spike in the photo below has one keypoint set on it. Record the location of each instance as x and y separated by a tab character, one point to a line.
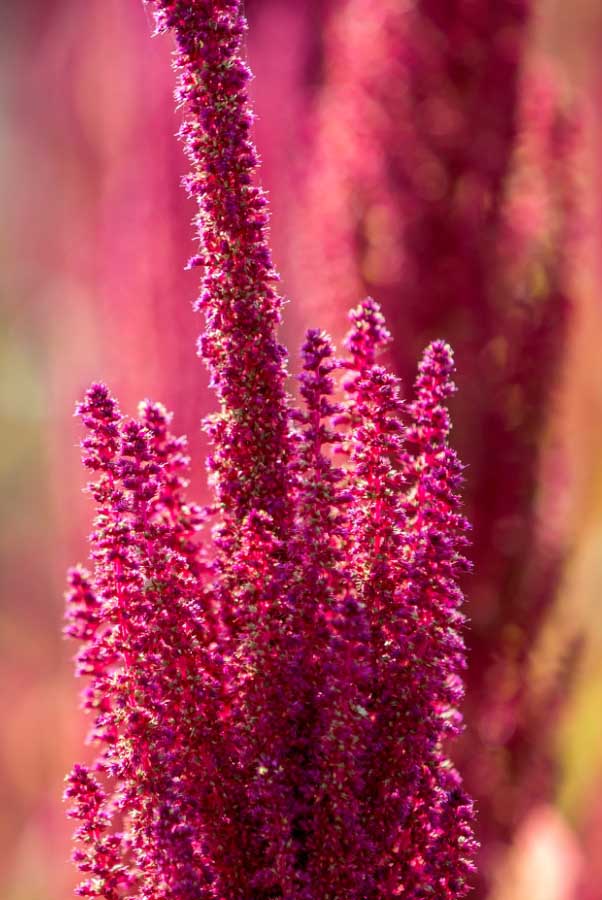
270	703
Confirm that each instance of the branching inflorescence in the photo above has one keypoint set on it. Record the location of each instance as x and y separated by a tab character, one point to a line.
270	702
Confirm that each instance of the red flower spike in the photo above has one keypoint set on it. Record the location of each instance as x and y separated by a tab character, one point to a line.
270	702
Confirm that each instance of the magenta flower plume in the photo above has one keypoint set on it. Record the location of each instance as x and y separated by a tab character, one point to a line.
270	701
238	296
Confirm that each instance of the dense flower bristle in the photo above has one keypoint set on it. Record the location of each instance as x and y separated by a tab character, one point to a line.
270	701
238	296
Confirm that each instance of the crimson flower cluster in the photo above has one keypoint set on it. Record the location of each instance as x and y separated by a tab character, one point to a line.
270	696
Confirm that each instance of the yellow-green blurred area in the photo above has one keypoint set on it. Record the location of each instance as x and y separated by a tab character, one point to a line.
95	233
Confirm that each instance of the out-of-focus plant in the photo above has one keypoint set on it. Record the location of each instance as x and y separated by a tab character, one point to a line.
271	702
441	180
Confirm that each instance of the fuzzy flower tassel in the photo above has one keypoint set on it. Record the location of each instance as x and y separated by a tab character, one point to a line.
271	698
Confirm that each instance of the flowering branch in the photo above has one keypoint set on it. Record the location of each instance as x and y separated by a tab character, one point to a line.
270	704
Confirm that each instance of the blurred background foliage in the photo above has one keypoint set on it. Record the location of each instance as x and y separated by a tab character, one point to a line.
95	234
